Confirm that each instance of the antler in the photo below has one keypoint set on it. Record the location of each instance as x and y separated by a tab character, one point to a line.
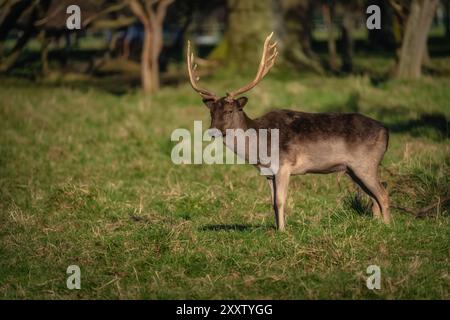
193	78
270	52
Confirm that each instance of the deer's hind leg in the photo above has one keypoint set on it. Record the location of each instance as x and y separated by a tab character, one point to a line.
270	180
368	181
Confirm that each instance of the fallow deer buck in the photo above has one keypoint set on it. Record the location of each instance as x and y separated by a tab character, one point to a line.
308	142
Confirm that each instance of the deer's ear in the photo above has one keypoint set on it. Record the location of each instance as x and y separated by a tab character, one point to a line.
242	101
209	103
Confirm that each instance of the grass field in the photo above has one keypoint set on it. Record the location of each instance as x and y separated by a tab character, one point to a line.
86	178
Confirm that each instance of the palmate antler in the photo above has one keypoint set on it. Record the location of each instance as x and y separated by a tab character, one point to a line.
270	52
193	78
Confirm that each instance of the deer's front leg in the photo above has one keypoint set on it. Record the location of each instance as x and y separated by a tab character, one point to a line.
280	187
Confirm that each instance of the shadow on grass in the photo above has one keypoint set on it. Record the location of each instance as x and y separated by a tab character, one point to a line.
234	227
436	121
355	203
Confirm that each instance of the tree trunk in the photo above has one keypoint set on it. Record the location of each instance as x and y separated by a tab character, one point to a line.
426	60
44	40
347	42
298	17
249	23
156	51
152	19
298	24
415	38
447	18
149	67
328	20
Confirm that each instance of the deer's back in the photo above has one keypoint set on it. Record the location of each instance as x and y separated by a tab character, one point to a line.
326	135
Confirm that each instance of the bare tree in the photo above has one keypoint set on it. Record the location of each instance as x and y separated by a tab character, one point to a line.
351	13
27	12
416	16
327	13
248	23
151	13
298	24
446	4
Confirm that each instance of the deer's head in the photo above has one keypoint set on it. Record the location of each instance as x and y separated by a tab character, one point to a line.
227	112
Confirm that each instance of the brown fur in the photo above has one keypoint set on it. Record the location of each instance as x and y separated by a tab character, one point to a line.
315	143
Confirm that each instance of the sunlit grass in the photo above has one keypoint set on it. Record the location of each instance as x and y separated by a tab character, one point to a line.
86	178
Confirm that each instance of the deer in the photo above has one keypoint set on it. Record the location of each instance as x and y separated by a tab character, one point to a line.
317	143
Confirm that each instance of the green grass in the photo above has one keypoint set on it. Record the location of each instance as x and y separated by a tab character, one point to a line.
86	178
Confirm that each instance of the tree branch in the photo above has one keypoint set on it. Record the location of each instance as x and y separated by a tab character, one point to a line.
421	213
139	11
162	10
108	10
398	9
